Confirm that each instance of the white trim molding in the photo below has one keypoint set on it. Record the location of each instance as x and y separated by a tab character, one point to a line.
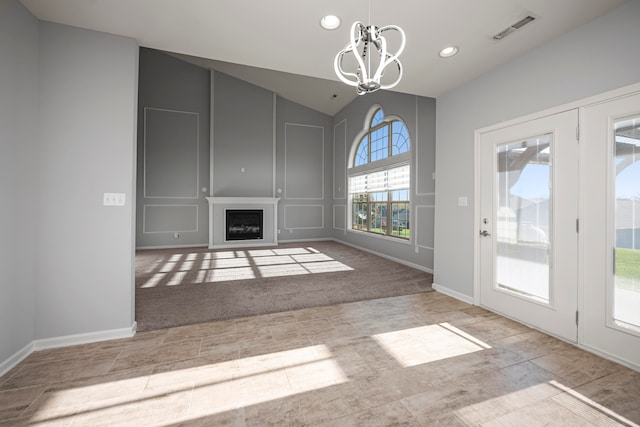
316	227
344	213
65	341
144	219
380	254
217	207
144	156
453	294
294	197
17	357
85	338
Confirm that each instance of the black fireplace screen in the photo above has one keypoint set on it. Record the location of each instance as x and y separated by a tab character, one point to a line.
244	224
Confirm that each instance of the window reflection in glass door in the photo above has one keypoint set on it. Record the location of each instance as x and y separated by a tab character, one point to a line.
626	299
523	215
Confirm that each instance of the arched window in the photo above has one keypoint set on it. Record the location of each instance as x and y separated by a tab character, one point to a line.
380	177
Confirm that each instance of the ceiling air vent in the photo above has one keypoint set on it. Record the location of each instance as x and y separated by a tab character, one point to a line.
521	23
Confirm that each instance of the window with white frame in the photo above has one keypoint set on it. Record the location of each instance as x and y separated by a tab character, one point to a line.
380	178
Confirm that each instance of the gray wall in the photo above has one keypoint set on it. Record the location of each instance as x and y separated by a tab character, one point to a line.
261	143
67	127
594	58
418	114
18	176
304	172
88	87
243	139
173	152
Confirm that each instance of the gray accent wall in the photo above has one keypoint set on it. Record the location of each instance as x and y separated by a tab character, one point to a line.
418	114
173	152
592	59
18	176
243	138
261	146
304	172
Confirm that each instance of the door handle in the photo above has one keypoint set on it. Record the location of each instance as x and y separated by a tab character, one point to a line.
485	233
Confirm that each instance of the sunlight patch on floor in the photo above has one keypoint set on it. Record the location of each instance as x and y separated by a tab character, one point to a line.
211	389
223	266
425	344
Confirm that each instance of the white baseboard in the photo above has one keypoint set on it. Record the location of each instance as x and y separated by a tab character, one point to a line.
398	260
86	338
317	239
16	358
65	341
453	294
142	248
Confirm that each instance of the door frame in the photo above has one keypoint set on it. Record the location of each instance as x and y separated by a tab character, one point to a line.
557	314
579	105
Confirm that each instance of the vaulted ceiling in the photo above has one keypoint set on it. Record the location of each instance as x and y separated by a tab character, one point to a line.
279	44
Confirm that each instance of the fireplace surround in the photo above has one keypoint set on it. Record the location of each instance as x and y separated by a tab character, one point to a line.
244	232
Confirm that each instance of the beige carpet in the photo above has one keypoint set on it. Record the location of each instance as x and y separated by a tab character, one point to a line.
185	286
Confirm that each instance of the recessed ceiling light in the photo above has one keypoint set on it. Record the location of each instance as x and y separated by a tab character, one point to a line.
448	51
330	22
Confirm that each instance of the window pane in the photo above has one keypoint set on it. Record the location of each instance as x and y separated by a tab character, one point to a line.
400	214
380	143
400	195
359	211
362	153
377	118
399	138
523	212
378	212
627	223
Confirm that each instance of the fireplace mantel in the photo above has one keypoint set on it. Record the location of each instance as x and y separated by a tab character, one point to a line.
217	218
244	200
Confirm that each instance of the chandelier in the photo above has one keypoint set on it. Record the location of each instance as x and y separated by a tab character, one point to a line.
372	58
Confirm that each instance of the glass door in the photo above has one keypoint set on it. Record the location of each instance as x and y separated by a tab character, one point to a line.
527	227
611	242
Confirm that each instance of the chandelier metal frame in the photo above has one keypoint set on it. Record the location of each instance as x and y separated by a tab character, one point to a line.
364	42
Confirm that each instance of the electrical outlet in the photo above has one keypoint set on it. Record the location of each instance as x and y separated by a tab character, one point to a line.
176	235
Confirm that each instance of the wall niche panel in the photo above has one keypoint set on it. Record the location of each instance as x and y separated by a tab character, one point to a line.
303	217
170	153
304	162
170	218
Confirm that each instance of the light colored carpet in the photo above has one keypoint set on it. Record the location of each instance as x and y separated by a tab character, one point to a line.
185	286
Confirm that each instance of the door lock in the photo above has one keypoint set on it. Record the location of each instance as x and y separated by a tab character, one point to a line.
485	233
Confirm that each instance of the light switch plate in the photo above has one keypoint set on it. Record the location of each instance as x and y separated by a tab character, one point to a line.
462	201
113	199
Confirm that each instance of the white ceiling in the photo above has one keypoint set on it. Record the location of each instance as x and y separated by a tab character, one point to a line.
251	39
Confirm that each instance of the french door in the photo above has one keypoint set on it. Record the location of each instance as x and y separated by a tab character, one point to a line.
528	242
610	243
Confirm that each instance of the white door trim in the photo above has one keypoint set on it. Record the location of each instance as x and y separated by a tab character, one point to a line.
585	102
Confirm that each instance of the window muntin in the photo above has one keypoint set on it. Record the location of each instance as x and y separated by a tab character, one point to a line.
379	184
362	155
380	201
399	138
383	139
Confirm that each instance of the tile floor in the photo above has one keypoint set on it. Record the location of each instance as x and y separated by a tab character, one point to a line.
417	360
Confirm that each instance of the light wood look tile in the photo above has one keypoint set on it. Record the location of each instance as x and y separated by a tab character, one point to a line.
416	360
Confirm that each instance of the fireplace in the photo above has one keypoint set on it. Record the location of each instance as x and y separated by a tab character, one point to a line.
218	219
244	224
